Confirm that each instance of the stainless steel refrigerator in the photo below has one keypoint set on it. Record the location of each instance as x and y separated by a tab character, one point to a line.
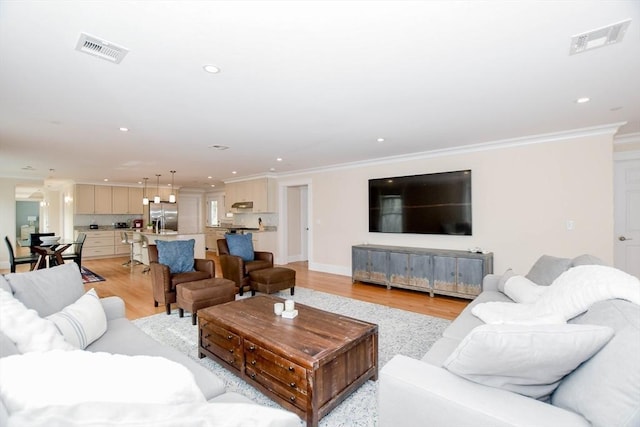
166	213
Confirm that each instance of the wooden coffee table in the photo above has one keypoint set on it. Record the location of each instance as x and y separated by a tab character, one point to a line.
308	364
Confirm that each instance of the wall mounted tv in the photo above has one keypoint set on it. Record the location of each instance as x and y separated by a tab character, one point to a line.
437	203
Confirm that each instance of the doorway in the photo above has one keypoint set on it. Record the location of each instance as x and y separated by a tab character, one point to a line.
627	214
295	239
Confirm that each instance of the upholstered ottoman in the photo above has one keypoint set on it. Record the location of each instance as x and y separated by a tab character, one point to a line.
192	296
270	280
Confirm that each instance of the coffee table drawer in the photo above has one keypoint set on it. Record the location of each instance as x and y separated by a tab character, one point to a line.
223	343
281	369
286	392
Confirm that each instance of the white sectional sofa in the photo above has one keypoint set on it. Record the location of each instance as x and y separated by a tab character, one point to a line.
602	391
35	295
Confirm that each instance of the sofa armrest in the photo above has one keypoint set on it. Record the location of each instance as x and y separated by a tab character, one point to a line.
206	265
264	256
490	282
113	307
412	393
232	268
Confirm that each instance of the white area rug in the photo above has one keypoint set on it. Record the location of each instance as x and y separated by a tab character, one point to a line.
399	332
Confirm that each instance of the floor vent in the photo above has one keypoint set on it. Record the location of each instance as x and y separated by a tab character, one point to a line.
598	38
101	48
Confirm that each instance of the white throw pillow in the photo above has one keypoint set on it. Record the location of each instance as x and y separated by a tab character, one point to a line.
26	329
522	290
526	359
37	380
82	322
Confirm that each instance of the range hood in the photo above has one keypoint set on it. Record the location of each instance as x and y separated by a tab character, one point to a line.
242	205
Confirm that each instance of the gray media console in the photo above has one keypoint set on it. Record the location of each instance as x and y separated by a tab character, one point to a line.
437	271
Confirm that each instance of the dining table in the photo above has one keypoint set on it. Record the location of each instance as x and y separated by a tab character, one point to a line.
50	255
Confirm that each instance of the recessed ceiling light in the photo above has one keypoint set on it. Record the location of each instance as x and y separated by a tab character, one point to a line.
380	139
209	177
234	172
213	185
123	129
279	159
272	169
583	100
211	69
106	179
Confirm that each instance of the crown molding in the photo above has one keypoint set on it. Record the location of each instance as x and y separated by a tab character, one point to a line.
609	129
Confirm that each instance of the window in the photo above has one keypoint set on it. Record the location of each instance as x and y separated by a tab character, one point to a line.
212	218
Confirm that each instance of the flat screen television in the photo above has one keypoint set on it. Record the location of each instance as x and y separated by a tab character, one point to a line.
436	203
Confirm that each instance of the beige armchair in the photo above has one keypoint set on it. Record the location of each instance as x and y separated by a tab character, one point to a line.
164	282
236	269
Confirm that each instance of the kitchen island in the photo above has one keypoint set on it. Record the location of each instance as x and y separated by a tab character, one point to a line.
151	237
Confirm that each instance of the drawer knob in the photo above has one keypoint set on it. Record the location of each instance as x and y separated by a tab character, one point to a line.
292	385
253	376
251	348
290	368
207	336
231	350
229	337
292	398
253	362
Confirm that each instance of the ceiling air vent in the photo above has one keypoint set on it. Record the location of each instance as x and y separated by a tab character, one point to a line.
597	38
101	48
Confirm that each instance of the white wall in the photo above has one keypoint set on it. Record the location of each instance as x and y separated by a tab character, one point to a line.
8	217
523	196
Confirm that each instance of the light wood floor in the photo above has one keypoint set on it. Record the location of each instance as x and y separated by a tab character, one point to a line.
135	288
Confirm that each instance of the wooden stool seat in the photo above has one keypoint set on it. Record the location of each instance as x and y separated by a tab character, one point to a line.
193	296
271	280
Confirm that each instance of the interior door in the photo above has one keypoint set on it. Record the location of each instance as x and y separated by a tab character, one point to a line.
627	216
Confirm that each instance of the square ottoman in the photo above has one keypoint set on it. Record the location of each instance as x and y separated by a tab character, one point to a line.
192	296
270	280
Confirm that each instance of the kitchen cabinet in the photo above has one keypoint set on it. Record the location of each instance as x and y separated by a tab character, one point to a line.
211	238
103	199
84	199
120	200
262	192
99	243
436	271
135	201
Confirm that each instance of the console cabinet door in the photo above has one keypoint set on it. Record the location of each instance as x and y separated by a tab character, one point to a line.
398	269
470	274
420	271
444	274
369	265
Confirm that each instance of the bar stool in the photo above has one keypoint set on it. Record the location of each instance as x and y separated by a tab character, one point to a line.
129	239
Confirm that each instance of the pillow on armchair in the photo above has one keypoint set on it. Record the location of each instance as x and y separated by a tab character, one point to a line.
177	254
240	245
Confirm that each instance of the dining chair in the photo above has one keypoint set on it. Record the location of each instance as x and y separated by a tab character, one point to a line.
76	254
30	259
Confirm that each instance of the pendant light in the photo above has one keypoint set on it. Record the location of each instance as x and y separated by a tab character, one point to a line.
145	199
172	196
156	199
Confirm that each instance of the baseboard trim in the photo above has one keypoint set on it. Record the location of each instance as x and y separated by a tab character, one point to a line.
329	268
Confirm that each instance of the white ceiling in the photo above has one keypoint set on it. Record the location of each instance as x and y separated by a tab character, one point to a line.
315	83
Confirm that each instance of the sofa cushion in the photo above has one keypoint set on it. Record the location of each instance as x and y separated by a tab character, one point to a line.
522	290
71	377
606	388
526	359
587	259
82	322
177	254
241	245
48	290
547	268
123	337
504	278
28	331
466	321
440	351
7	347
4	284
